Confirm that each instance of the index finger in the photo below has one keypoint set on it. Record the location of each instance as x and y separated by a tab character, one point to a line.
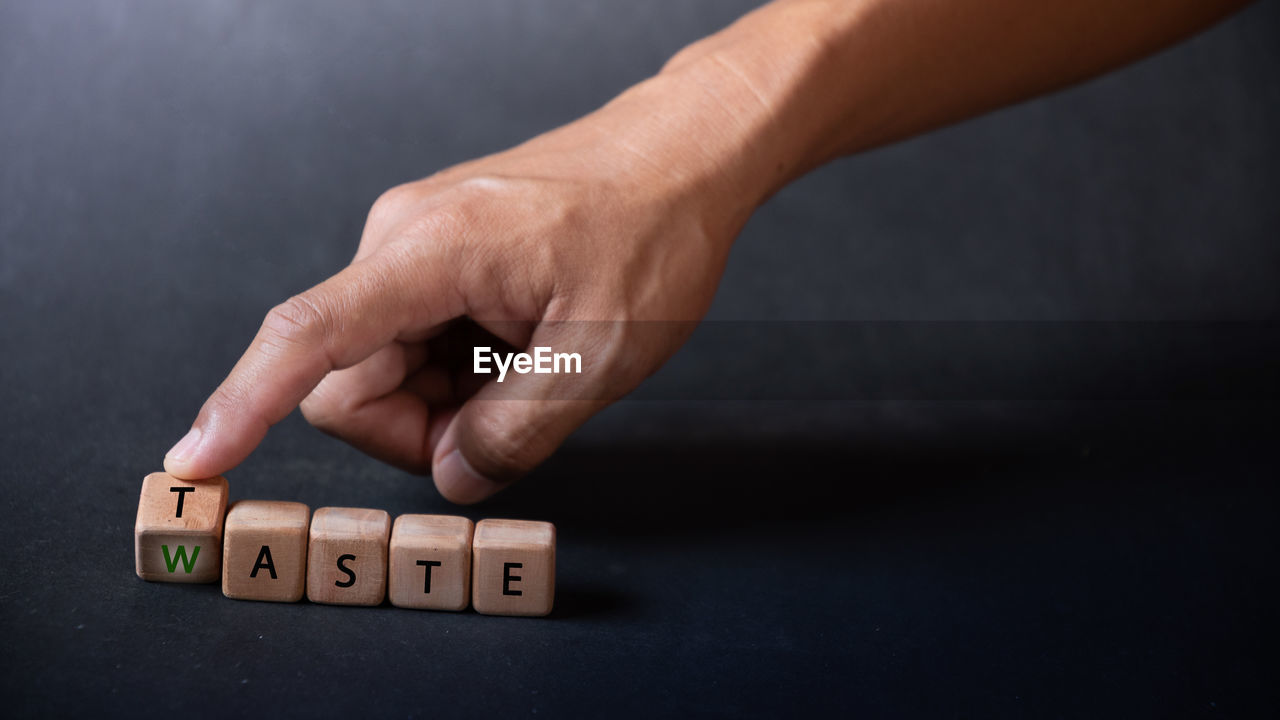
334	325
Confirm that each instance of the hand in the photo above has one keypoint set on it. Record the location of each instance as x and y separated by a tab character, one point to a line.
589	224
626	216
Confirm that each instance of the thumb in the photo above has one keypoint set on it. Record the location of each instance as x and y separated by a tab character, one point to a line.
508	428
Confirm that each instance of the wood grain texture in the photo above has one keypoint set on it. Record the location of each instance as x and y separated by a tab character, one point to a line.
347	556
513	567
178	531
418	543
264	552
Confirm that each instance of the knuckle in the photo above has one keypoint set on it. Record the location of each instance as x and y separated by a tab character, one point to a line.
446	222
682	57
390	203
442	235
300	319
501	450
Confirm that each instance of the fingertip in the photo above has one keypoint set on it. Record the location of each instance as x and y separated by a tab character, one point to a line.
179	470
207	450
459	483
178	461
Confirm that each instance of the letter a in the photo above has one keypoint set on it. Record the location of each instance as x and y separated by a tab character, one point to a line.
264	561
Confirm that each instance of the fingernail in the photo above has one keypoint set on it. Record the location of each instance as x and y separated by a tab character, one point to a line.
185	446
460	483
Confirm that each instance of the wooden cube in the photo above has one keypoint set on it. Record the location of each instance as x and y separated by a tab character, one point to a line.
264	554
430	562
347	556
177	536
514	567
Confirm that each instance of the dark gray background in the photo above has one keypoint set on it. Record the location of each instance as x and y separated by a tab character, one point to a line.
1062	504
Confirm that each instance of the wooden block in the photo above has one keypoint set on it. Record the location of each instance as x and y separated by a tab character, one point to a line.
430	562
347	557
264	555
514	569
177	536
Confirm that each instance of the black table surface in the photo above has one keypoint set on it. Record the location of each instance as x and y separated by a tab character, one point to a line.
980	425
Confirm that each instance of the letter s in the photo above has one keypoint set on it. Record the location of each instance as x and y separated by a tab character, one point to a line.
347	571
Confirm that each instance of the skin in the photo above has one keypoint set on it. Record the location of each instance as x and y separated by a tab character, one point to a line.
628	214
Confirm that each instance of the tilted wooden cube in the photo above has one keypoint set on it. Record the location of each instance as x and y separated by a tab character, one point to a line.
513	567
264	554
347	556
430	562
178	532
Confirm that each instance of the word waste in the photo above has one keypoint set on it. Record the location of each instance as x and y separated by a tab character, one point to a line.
281	551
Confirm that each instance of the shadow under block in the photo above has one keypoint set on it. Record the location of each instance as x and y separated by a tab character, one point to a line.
178	533
347	556
264	553
513	567
430	567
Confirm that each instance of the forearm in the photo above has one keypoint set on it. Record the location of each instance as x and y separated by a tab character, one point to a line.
798	83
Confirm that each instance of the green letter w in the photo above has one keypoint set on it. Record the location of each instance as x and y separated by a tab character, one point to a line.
180	554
